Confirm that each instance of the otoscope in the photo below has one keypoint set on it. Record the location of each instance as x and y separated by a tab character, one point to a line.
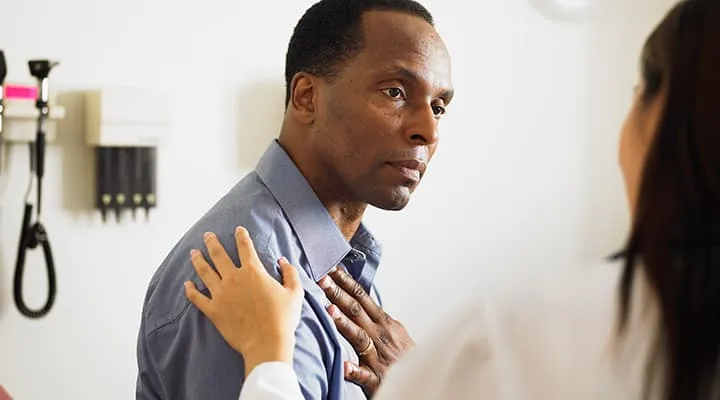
34	235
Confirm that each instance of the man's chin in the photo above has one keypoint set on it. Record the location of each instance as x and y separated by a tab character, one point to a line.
394	200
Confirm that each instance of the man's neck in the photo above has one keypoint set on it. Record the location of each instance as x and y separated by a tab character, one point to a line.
347	214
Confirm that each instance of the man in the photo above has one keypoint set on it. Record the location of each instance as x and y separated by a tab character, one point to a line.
367	82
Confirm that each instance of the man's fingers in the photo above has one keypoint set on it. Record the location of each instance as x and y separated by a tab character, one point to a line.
246	249
362	375
348	305
290	276
200	301
218	255
356	291
207	275
357	336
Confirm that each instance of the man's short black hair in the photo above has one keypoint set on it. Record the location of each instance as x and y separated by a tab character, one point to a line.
330	33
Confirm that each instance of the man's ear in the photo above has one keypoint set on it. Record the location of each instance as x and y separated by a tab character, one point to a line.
303	98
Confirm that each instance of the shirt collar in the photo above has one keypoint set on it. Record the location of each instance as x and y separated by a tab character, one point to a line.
321	239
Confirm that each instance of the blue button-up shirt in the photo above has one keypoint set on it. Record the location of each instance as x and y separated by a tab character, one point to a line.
180	354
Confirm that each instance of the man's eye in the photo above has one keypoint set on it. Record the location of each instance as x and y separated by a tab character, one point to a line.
393	92
438	110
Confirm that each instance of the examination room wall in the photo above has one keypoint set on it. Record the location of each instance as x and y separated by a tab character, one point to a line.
525	180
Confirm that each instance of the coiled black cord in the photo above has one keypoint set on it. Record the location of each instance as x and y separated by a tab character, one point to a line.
31	237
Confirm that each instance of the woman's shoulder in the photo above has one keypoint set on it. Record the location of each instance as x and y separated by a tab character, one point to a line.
455	361
577	298
554	293
550	332
544	336
514	338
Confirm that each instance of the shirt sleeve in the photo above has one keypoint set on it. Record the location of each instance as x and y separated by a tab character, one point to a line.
272	381
148	387
189	359
455	364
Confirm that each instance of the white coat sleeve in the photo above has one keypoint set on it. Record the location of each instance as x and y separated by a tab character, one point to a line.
456	363
271	381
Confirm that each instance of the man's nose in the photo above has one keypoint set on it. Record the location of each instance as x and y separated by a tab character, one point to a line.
423	130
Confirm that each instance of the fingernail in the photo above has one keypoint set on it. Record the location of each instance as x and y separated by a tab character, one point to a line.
333	311
349	368
187	284
324	282
194	252
208	235
283	260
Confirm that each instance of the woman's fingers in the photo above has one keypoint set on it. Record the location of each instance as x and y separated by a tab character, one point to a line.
218	255
206	273
290	276
246	249
200	301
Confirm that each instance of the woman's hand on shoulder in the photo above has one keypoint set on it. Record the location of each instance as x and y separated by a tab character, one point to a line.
254	313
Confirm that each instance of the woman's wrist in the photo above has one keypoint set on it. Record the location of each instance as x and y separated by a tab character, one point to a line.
268	351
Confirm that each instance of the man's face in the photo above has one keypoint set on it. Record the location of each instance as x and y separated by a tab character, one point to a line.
377	124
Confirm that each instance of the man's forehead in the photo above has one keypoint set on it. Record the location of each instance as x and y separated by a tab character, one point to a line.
394	35
398	29
406	46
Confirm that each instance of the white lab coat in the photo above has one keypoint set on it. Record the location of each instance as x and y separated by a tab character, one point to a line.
552	338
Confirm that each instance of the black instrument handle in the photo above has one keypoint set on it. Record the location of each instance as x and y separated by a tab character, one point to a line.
40	172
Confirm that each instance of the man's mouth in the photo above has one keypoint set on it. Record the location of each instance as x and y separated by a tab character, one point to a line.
410	169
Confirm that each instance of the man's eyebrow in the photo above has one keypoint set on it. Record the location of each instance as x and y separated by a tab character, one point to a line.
410	75
447	95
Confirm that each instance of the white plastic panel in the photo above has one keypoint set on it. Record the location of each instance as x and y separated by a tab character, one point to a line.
131	117
20	121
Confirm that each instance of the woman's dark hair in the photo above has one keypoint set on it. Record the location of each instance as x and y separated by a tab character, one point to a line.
675	237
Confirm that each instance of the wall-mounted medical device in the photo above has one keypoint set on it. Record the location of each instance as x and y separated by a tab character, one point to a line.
19	112
28	115
125	126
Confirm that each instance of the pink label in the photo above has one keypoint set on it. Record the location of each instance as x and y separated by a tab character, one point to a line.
20	92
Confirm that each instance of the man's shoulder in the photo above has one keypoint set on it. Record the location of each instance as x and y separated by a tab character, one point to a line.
249	204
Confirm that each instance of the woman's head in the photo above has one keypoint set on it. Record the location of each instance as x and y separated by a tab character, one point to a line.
670	156
641	122
673	55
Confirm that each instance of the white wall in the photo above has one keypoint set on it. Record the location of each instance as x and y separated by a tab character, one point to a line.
525	179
